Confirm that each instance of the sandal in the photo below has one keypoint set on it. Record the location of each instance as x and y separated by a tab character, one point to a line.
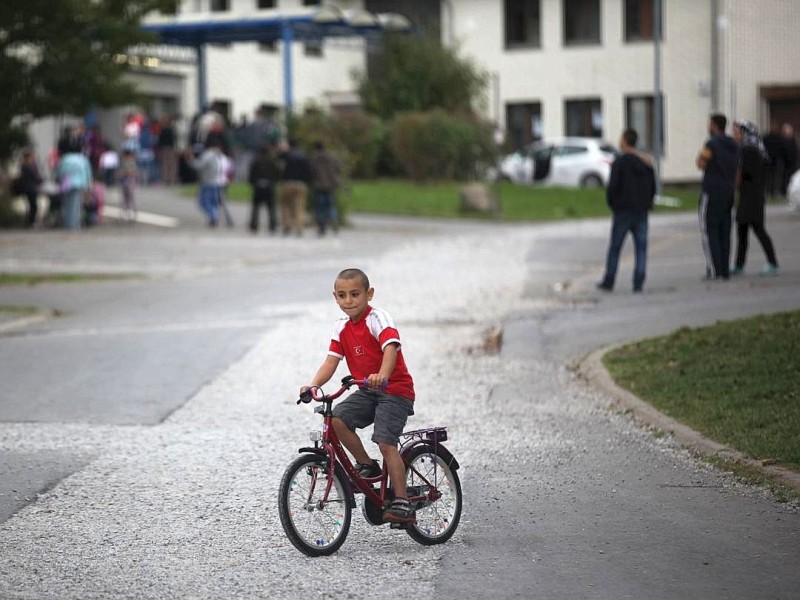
400	511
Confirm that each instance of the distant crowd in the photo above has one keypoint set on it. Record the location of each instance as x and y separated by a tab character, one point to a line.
84	165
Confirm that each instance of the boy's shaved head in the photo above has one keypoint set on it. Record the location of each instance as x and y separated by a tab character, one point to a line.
355	274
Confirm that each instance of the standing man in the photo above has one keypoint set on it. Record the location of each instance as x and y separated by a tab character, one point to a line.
326	172
630	194
295	180
263	174
718	160
167	145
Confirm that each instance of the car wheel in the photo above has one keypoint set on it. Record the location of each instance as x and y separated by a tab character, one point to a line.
591	181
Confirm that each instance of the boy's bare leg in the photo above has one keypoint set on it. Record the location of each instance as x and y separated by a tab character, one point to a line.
351	441
396	468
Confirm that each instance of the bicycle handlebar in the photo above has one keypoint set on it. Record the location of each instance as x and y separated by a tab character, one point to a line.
314	393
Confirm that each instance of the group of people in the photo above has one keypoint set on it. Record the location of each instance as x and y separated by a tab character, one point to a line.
741	163
281	177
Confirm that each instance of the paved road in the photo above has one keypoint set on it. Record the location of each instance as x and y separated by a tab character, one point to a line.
564	497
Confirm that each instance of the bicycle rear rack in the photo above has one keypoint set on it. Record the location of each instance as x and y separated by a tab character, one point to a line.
432	434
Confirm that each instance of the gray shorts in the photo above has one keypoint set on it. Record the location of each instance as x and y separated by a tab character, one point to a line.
388	413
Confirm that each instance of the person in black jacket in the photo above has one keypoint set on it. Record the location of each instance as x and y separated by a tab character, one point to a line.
719	160
30	180
263	174
750	211
630	194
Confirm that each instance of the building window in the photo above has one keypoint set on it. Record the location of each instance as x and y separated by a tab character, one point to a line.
581	22
313	47
265	4
312	2
523	123
639	20
584	118
640	115
522	23
220	5
268	46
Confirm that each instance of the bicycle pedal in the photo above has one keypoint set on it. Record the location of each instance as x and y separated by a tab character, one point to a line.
396	525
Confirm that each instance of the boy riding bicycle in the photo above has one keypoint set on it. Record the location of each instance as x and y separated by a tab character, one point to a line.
368	341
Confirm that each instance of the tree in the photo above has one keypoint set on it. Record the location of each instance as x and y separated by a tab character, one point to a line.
60	57
418	74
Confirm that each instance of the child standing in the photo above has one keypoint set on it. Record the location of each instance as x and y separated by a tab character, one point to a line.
367	339
127	178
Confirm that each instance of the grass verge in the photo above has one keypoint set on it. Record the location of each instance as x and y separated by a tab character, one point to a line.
37	278
441	199
735	382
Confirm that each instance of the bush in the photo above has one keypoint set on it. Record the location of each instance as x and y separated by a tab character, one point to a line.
357	139
438	145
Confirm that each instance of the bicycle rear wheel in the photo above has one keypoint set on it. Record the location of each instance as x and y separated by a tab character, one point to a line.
315	528
437	519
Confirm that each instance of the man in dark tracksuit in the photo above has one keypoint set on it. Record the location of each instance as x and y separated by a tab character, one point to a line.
718	159
630	193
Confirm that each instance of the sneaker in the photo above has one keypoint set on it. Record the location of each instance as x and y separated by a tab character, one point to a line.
605	287
400	511
770	270
366	471
737	270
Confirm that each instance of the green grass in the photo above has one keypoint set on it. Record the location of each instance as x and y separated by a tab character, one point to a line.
17	310
736	382
37	278
441	199
518	203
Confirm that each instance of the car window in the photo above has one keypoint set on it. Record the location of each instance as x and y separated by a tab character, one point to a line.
608	148
572	150
542	153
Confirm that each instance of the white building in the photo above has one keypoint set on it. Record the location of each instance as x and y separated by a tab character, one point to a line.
587	67
557	67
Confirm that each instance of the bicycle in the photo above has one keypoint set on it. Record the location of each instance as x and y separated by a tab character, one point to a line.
317	491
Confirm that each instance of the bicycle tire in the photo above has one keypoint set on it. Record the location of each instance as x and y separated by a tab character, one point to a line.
436	521
313	529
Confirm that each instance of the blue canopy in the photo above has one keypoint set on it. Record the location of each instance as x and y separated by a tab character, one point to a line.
326	22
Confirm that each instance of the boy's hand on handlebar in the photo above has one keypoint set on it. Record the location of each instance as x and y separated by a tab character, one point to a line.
376	381
305	394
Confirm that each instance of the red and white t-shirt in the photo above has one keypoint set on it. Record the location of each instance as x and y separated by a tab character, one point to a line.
361	344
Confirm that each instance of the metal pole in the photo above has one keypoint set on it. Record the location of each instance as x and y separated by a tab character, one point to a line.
287	36
657	103
202	89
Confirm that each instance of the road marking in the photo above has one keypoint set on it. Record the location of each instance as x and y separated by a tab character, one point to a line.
115	212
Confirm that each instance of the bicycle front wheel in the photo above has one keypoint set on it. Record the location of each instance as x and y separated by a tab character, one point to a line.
437	519
316	526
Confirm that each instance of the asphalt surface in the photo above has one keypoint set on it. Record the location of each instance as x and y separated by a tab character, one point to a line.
565	496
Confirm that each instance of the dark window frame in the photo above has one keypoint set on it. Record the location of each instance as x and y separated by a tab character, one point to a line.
582	22
638	21
516	113
647	135
586	107
522	24
219	5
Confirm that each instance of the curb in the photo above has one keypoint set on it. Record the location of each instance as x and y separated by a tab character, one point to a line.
592	370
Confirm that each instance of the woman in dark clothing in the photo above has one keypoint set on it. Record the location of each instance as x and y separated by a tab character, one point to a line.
30	182
750	211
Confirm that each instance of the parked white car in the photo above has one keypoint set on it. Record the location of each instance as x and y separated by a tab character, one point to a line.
569	162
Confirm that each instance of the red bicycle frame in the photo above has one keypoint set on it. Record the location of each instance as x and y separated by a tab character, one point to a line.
331	447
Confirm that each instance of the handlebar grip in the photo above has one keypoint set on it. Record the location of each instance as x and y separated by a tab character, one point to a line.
305	397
